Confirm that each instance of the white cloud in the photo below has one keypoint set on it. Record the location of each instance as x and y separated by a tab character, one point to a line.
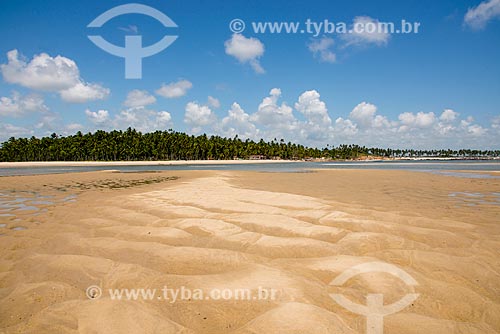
9	130
421	119
276	119
198	116
495	122
138	98
175	89
448	115
99	117
51	74
318	124
73	127
476	130
274	116
477	17
49	122
322	48
18	105
142	119
163	117
83	92
363	114
213	102
43	72
246	50
237	122
362	33
344	128
313	108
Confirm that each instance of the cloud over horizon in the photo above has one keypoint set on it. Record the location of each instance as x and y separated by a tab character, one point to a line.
51	74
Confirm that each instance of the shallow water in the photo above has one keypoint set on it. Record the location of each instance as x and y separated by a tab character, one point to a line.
473	199
16	208
439	165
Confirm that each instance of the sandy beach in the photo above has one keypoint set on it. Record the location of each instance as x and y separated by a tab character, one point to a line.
286	234
137	163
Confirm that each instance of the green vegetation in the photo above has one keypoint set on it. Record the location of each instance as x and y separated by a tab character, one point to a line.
170	145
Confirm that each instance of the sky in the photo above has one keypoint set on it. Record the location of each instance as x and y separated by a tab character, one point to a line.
438	87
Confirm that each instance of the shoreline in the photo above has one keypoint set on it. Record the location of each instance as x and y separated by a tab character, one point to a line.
138	163
27	164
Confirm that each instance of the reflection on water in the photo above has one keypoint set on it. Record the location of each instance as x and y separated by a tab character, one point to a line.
468	175
17	208
474	198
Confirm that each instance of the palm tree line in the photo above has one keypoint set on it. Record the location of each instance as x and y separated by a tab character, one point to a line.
133	145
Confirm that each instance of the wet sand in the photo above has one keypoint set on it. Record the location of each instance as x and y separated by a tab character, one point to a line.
292	232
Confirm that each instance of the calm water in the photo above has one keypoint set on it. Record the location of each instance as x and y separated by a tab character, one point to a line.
441	167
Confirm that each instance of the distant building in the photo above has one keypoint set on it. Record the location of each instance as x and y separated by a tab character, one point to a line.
257	157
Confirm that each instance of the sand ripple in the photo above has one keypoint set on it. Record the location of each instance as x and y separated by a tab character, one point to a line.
208	234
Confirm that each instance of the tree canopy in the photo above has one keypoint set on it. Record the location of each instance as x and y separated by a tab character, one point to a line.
170	145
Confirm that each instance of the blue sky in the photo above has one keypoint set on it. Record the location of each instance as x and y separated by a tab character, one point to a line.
438	88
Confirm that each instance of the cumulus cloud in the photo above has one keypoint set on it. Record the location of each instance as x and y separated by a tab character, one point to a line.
175	89
138	98
237	122
277	119
420	119
163	117
51	74
364	114
18	105
362	33
478	17
448	115
81	93
142	119
274	118
344	128
99	117
43	72
246	50
322	49
318	123
313	108
476	130
198	116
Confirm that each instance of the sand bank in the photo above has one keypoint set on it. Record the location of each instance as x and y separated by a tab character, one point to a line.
291	232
